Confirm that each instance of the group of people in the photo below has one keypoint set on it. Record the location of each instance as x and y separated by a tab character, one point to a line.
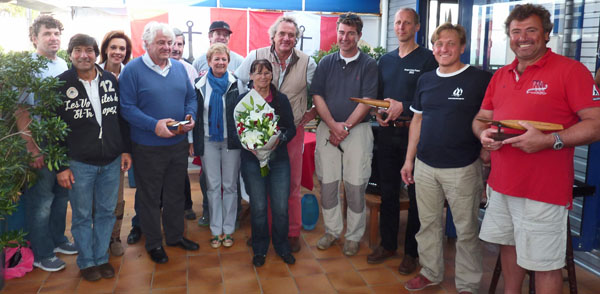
428	137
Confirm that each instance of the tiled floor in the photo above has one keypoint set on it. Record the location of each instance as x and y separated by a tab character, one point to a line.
229	270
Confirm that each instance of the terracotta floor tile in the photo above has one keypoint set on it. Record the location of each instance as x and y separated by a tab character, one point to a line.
176	251
391	289
35	275
17	287
176	263
314	284
306	267
331	252
279	285
70	271
234	259
240	272
137	266
246	287
207	288
331	265
176	290
204	261
273	270
65	285
198	276
304	253
378	276
134	282
238	246
170	279
345	280
101	286
360	290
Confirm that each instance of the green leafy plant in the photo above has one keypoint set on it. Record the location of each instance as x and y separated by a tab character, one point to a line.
19	76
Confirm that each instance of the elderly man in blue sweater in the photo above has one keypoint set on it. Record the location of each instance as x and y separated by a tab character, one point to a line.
155	93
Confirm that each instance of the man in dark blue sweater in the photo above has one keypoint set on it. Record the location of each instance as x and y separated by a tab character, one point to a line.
155	91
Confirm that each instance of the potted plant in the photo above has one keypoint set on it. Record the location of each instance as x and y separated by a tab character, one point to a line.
19	75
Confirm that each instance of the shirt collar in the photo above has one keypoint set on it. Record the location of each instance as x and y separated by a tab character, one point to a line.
148	61
351	59
92	81
540	63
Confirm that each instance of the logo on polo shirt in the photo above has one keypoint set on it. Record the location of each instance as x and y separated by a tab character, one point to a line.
412	71
595	93
539	88
456	94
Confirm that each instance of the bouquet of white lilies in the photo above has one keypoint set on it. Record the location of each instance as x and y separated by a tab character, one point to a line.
256	124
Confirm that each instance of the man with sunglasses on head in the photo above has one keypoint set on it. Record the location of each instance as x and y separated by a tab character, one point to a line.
344	137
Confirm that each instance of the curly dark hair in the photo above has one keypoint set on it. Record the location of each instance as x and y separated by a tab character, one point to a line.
43	20
115	35
523	11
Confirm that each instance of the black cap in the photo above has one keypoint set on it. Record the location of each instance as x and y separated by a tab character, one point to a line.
219	25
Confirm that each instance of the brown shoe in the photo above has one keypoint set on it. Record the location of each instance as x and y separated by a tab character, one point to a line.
116	248
106	270
379	255
294	243
408	265
91	273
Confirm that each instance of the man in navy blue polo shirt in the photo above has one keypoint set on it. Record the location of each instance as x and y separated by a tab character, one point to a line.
447	165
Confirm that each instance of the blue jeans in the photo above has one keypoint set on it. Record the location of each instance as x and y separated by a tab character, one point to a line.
46	212
93	199
277	185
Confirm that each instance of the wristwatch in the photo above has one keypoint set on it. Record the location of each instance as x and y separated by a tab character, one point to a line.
558	143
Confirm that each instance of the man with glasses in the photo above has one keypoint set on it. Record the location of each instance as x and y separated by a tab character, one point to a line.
344	137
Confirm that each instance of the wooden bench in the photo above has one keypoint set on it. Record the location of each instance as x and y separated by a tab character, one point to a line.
374	203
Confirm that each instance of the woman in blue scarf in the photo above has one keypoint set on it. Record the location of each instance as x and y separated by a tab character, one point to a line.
216	141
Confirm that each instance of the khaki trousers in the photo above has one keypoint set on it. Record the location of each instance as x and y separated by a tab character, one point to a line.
353	166
462	188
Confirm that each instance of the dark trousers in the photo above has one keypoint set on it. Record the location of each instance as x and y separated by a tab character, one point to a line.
277	185
160	168
391	151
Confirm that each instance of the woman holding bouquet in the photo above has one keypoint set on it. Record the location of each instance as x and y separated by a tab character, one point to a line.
216	141
277	182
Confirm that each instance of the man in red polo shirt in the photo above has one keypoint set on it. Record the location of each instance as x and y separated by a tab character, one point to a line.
530	185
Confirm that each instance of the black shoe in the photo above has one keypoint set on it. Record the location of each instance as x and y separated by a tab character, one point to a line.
185	244
258	260
134	235
189	214
158	255
288	258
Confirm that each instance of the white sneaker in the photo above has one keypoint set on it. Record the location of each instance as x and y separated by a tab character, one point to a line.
66	248
52	264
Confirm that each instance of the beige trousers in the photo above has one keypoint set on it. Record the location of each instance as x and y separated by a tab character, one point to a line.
462	188
353	166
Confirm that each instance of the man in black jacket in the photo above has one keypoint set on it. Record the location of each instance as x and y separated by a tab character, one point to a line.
96	146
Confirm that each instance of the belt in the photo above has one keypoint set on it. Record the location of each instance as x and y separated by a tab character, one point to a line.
400	123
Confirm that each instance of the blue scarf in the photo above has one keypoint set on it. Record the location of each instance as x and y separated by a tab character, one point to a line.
215	106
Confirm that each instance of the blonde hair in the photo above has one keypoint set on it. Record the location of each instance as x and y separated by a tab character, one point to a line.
460	30
217	48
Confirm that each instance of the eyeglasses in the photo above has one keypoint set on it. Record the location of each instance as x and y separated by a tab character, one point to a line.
349	16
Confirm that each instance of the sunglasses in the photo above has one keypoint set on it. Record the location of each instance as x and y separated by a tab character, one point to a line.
349	16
